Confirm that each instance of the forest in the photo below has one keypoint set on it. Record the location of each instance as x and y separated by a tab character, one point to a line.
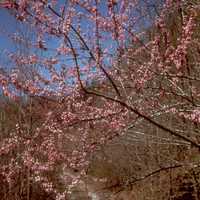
99	100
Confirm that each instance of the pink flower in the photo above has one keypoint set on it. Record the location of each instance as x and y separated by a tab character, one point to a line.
6	4
33	59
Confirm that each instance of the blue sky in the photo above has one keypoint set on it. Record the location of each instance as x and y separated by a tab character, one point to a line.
8	25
